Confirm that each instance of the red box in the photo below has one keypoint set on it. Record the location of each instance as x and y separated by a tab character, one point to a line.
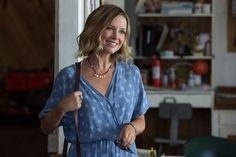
27	81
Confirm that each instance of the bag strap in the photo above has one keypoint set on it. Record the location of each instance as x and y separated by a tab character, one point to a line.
65	147
76	117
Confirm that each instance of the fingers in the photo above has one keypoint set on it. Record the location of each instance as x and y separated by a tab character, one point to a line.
127	141
71	102
79	98
127	136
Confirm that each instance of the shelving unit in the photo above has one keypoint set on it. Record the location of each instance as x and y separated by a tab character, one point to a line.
196	24
200	97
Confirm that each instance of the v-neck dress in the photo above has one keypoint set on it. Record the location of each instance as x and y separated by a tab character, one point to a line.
100	117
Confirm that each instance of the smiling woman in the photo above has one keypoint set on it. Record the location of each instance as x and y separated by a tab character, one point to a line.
114	35
111	87
91	39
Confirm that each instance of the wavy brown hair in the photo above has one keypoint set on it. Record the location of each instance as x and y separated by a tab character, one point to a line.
90	39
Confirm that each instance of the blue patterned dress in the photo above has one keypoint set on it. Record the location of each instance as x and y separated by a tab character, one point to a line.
101	117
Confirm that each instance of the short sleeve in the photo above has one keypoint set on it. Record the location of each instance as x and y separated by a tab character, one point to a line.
61	88
142	102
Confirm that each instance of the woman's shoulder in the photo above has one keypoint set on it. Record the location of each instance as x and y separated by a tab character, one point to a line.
128	66
67	71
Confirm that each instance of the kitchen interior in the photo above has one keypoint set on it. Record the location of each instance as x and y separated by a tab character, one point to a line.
192	54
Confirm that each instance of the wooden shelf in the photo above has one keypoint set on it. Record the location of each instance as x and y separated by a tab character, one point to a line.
170	15
177	57
187	57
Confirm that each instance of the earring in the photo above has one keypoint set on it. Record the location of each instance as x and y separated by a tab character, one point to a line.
100	48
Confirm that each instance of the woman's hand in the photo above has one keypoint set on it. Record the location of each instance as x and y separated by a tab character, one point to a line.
131	130
127	135
71	102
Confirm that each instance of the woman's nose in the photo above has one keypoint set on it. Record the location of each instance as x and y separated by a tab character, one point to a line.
115	34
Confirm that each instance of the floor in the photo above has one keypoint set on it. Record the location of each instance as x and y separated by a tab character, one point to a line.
22	139
20	135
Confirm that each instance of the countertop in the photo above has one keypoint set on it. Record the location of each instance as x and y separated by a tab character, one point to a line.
187	91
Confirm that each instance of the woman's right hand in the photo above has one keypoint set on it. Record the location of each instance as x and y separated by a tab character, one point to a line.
71	102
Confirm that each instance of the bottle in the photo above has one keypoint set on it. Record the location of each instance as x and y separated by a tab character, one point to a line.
156	71
165	80
191	79
172	78
152	152
207	48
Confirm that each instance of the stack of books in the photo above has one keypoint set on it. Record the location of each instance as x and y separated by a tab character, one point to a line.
176	8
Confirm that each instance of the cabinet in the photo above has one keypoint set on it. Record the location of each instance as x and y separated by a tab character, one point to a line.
183	40
224	112
224	123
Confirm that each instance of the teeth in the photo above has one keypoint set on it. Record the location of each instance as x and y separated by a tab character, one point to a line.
113	43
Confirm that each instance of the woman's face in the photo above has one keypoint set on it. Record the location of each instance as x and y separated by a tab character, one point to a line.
114	35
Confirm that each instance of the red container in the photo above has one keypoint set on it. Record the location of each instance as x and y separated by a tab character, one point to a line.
27	81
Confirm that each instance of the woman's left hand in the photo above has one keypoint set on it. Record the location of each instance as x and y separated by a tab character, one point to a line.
127	135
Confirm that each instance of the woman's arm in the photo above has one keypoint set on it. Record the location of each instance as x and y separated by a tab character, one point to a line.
52	120
139	125
131	130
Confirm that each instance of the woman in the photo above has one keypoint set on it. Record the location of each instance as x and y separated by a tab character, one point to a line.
111	113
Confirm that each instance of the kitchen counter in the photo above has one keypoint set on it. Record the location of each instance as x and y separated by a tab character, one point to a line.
194	90
197	97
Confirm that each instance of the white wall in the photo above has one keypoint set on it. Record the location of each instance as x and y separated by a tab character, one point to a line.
119	3
225	62
69	21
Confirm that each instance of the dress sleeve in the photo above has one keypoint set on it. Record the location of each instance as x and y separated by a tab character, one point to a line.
57	93
142	102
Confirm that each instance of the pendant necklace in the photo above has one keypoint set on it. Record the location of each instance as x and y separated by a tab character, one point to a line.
95	73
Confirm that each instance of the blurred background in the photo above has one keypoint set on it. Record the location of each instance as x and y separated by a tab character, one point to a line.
26	74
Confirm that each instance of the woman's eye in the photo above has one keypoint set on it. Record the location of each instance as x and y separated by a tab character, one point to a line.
109	28
122	32
114	29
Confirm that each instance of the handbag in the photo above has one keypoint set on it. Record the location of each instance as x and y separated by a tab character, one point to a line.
76	118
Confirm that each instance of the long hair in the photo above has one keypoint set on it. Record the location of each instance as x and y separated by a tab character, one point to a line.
90	39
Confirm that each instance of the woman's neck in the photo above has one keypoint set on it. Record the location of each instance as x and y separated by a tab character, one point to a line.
100	62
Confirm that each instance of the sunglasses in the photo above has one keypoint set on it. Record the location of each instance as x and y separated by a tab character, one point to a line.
118	144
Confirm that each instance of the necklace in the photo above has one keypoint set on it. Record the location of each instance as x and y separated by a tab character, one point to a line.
95	73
